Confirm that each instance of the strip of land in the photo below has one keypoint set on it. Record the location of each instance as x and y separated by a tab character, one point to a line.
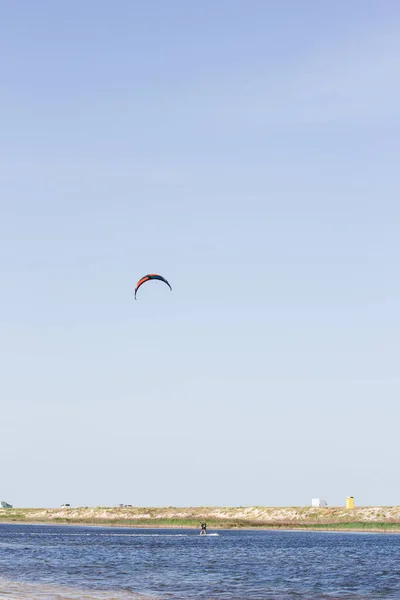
367	518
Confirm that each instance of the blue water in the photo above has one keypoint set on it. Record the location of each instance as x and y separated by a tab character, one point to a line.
180	564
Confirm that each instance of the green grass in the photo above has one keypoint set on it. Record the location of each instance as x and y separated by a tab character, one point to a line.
360	525
10	515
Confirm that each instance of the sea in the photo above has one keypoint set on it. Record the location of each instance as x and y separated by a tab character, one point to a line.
45	562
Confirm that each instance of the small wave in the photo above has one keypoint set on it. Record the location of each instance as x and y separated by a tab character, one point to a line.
146	534
58	534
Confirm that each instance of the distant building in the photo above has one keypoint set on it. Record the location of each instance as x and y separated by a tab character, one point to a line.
6	505
350	502
318	502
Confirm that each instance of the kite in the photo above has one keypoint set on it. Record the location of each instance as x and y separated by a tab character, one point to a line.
149	278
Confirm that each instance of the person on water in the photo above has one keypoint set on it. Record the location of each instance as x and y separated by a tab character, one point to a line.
203	528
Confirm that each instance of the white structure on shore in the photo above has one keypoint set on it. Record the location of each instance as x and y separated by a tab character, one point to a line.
318	502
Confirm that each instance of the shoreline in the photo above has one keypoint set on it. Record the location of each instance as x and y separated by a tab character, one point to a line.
334	528
360	519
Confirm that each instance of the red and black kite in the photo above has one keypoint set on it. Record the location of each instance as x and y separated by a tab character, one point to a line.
149	278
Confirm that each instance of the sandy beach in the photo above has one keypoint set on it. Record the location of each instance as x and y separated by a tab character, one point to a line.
364	518
16	590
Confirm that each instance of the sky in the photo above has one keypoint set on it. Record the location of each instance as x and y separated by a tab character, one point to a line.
249	152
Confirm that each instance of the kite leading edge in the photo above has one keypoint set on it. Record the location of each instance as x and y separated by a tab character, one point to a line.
149	278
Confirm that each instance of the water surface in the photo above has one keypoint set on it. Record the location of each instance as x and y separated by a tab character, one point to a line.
81	562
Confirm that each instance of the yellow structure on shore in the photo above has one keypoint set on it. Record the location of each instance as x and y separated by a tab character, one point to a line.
350	502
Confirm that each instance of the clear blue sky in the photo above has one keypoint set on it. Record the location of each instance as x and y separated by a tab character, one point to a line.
250	152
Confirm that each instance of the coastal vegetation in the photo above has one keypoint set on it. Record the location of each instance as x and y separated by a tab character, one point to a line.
369	518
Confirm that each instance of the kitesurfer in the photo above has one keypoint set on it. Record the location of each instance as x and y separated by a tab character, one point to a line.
203	528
